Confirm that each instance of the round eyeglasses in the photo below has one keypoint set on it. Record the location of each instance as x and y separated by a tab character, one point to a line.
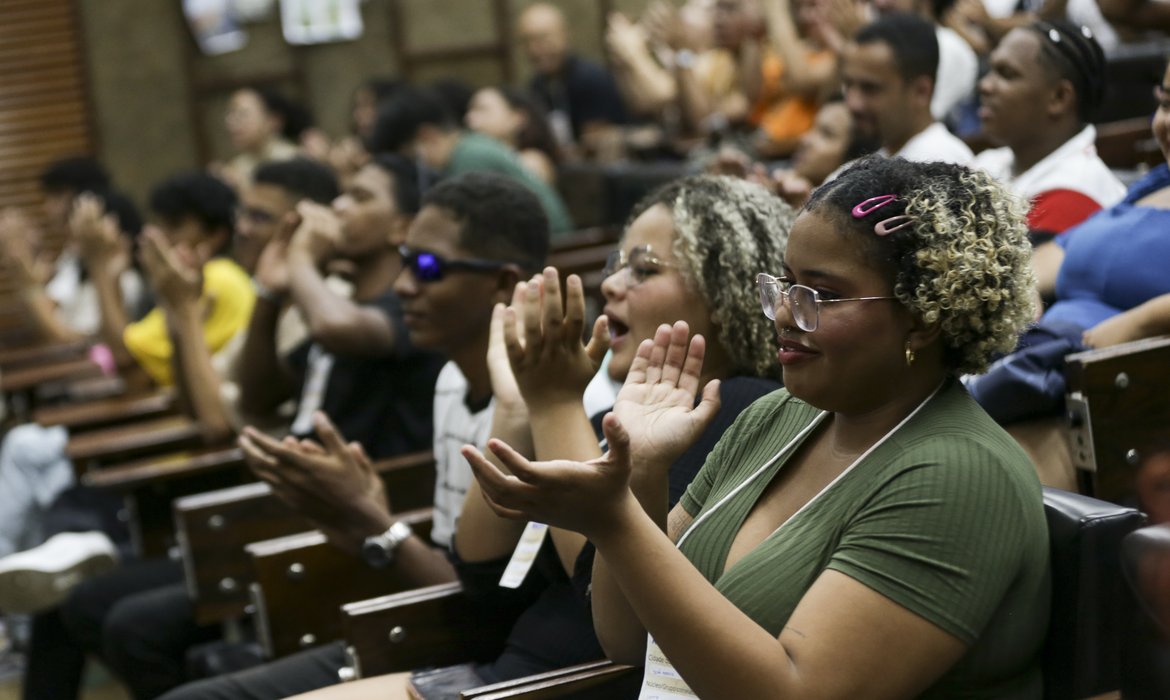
804	302
639	264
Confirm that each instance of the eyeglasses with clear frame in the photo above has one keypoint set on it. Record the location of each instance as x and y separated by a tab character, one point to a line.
804	302
637	264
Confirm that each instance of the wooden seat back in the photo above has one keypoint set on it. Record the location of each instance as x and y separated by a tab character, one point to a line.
432	626
214	528
1128	144
300	582
110	412
599	680
1119	413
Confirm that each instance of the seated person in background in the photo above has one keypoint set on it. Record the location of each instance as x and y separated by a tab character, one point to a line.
866	532
515	120
361	369
264	126
888	70
579	96
59	295
797	73
474	238
1037	101
416	124
958	66
1108	275
204	300
357	364
196	213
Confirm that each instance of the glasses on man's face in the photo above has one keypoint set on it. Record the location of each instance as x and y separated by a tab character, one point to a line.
429	267
639	265
804	302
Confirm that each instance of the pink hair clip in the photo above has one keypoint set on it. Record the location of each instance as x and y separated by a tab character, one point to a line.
879	202
883	228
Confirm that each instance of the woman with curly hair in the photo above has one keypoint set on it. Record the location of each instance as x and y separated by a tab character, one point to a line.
866	532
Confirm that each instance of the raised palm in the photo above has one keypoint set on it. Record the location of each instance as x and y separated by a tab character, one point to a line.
656	405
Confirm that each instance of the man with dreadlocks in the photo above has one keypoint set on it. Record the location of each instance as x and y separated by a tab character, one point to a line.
1046	81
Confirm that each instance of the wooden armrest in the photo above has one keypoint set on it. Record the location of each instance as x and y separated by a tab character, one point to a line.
213	529
155	470
586	238
300	582
105	413
26	378
593	681
582	260
432	626
124	442
40	353
1118	411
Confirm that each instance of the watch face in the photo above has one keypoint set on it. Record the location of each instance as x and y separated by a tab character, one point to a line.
375	553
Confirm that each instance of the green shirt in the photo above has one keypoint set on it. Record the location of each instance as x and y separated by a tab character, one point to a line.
476	153
946	518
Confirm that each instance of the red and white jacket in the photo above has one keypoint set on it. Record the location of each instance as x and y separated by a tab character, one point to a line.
1066	187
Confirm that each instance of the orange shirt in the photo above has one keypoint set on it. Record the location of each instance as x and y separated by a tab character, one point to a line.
781	115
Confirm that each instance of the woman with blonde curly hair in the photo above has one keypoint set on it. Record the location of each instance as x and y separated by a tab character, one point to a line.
866	532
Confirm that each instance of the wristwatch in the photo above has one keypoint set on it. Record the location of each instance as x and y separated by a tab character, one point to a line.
378	550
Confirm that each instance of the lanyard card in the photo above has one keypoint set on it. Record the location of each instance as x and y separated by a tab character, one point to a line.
524	556
661	681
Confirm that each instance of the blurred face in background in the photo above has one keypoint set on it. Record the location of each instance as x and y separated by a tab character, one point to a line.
822	149
248	121
1162	116
491	115
263	208
878	99
543	36
733	21
365	112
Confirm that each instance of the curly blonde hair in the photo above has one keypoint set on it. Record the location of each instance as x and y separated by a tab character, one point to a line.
726	231
964	262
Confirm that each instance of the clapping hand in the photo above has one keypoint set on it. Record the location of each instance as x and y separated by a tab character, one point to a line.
335	486
319	236
548	360
18	239
175	272
655	420
96	231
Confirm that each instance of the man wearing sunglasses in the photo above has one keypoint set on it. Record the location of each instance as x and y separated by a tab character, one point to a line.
474	238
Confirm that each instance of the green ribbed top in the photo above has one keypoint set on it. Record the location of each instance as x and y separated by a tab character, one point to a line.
946	518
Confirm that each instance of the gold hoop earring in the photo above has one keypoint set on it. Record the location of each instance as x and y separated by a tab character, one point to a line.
909	356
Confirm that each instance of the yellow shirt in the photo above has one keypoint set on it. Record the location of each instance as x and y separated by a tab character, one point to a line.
228	297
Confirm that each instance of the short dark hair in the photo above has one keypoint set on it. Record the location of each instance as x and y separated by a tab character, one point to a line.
501	219
75	175
404	179
911	39
295	117
1072	53
195	194
400	117
301	178
123	209
456	95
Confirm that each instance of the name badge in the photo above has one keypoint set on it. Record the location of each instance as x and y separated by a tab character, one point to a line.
661	681
524	556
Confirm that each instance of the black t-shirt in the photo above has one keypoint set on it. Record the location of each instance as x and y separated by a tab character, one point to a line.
384	402
584	90
553	619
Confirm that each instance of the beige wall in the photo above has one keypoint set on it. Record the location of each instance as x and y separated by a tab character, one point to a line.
137	57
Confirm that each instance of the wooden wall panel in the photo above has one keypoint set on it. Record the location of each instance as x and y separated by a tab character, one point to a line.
44	112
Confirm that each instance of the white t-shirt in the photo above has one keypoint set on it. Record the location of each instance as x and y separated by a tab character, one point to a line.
934	143
958	69
455	426
1074	166
77	300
